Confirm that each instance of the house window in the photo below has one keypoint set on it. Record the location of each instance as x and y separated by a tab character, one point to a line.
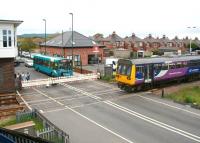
7	40
169	44
77	60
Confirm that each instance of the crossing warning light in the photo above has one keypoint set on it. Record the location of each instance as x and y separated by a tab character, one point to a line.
95	49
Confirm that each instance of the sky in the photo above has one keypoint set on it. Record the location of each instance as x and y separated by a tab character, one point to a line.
142	17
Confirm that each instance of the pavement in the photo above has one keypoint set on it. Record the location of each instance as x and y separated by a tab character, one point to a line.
94	111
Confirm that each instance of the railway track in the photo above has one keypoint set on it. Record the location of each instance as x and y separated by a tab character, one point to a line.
9	105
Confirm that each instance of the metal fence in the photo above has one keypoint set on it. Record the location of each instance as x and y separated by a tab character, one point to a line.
10	136
50	131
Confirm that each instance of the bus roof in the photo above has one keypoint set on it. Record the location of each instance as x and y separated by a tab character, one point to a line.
48	57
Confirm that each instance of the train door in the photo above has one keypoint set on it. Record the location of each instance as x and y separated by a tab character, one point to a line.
148	73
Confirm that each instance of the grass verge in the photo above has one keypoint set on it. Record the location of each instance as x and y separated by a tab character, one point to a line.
12	121
187	95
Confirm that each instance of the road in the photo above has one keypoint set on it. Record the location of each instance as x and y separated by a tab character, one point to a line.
94	111
34	74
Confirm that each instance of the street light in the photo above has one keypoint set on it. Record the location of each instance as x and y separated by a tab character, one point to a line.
45	35
72	40
191	39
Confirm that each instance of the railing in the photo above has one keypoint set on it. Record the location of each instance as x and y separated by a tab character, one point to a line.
50	131
10	136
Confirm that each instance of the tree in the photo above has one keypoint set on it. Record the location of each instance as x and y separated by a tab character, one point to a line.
27	44
193	46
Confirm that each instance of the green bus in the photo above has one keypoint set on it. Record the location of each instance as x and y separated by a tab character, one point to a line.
53	66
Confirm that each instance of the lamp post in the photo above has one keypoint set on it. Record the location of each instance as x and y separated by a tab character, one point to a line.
45	25
191	39
72	39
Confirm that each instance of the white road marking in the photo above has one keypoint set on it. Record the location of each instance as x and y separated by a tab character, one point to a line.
63	98
156	101
24	101
81	91
129	141
155	122
105	84
92	121
48	96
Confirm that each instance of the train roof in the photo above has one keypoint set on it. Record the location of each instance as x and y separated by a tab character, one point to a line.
164	59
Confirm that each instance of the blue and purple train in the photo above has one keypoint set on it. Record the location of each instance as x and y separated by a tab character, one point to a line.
137	74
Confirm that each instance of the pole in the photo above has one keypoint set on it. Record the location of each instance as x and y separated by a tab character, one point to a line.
191	39
45	36
72	40
190	45
63	46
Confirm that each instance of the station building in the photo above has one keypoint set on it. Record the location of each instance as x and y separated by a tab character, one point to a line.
8	51
84	49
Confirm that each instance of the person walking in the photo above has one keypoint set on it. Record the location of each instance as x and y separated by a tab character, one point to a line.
23	76
28	76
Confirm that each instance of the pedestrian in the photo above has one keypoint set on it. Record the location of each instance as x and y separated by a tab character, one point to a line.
28	76
19	76
19	81
23	76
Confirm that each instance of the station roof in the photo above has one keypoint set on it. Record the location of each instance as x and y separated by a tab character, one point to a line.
65	40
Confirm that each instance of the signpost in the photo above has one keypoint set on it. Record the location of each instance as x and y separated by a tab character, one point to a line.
96	51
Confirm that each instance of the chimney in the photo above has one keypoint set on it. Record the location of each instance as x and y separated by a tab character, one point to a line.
113	33
133	35
164	36
176	38
196	38
150	36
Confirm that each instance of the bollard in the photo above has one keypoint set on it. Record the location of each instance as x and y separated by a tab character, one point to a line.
163	92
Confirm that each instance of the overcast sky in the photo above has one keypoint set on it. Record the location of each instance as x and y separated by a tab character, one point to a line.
158	17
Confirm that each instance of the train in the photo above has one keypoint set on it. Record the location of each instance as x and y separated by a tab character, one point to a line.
147	73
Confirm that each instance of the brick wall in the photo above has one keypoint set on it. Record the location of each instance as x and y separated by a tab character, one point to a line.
7	82
83	52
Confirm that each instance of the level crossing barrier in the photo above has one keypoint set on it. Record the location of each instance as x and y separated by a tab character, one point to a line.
57	80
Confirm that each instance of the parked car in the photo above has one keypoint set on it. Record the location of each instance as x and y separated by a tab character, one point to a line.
29	63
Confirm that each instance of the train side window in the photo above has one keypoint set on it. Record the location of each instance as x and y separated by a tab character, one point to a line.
140	69
184	64
157	67
119	69
128	70
172	66
179	65
164	66
193	63
124	69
